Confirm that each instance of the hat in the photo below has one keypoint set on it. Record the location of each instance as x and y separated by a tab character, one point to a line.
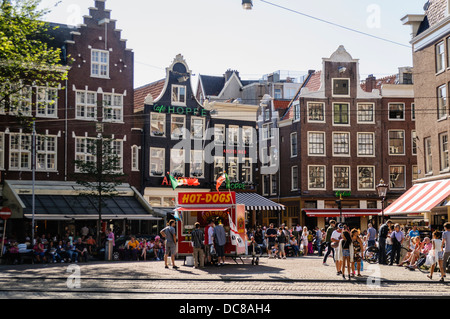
340	226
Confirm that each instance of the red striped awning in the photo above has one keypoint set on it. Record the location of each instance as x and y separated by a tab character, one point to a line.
346	212
420	198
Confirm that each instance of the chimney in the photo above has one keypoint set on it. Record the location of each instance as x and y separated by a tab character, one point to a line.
370	83
229	73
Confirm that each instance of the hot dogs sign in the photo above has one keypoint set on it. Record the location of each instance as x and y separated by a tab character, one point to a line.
202	198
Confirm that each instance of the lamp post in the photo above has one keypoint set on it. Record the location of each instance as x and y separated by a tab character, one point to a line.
339	203
247	4
382	190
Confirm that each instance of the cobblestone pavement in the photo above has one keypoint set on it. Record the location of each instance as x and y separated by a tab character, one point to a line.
303	277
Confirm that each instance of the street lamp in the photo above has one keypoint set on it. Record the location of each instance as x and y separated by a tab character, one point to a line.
382	190
247	4
339	203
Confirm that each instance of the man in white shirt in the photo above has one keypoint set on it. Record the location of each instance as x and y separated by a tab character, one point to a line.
335	239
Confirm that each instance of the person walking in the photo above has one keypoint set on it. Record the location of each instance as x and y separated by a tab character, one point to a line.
446	245
382	235
220	239
198	243
335	240
438	254
371	235
305	240
397	237
330	249
283	237
346	253
169	234
271	235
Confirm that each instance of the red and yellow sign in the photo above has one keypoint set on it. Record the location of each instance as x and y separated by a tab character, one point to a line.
205	198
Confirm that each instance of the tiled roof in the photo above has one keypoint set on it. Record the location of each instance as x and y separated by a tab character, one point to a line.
377	83
212	85
140	93
314	83
281	104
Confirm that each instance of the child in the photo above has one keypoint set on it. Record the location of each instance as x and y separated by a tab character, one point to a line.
438	254
275	250
346	252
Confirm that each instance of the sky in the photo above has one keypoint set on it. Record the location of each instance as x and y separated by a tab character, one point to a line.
216	35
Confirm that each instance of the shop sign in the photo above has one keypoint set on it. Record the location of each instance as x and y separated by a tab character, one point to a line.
343	194
205	198
234	152
207	215
181	110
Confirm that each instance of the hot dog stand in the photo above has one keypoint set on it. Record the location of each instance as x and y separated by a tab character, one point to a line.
205	206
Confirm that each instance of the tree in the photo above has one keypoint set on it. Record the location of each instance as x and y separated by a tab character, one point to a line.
99	172
26	59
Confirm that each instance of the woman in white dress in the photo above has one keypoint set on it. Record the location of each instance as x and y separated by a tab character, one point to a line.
304	239
438	254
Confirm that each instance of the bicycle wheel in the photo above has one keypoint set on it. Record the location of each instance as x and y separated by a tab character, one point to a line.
371	255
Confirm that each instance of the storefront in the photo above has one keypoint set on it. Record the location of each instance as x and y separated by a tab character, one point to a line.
353	217
425	204
61	206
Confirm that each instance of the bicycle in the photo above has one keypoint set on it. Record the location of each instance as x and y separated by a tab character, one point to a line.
372	253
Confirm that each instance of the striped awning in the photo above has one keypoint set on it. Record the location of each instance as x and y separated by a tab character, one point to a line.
346	212
253	201
420	198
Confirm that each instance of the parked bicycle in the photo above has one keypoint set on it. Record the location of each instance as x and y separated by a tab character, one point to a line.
372	254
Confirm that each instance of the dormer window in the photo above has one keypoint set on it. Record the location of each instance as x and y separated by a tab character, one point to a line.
99	63
178	94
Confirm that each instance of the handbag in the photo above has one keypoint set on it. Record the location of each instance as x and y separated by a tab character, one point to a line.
212	250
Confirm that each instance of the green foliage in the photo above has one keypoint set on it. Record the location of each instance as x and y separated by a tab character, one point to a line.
25	56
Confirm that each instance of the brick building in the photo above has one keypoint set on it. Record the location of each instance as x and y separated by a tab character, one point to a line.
338	137
431	59
96	101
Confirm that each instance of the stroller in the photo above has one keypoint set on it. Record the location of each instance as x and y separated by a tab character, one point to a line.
256	252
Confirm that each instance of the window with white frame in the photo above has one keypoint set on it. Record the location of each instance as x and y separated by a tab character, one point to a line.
219	166
442	101
293	144
396	111
273	184
99	63
177	162
20	102
397	177
233	165
157	124
278	94
266	184
294	178
19	151
316	112
366	113
197	164
178	95
85	150
414	142
115	151
341	143
46	152
246	170
341	177
273	156
267	131
2	150
264	157
440	57
157	161
366	177
247	135
316	143
366	144
428	156
112	107
177	126
341	87
443	143
233	135
135	158
219	134
86	105
316	177
296	111
341	114
197	127
396	142
46	102
266	113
